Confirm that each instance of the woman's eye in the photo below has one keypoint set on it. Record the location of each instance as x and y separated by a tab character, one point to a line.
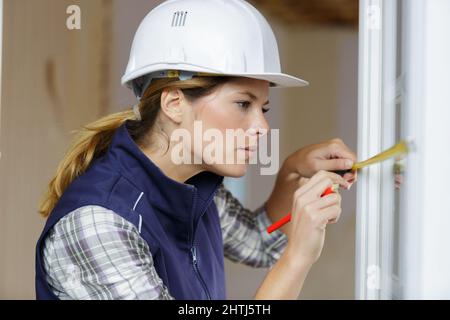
244	104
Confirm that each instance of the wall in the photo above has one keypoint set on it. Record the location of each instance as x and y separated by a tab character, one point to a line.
54	80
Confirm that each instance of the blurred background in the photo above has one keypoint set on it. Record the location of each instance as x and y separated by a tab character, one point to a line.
54	80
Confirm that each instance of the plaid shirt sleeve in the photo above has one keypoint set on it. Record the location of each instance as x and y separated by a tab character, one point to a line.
244	233
94	254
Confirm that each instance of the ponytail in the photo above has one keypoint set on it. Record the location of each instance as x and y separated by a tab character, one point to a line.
94	139
91	142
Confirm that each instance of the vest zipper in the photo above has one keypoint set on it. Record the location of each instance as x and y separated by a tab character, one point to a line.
197	271
194	254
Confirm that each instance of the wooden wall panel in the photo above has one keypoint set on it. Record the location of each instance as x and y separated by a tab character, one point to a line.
54	80
311	12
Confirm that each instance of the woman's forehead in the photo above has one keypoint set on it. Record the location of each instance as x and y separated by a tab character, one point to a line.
255	87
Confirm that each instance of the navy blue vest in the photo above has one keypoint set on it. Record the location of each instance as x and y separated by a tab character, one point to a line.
179	221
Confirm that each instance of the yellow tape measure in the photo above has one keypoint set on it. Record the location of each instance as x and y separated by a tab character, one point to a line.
402	147
398	149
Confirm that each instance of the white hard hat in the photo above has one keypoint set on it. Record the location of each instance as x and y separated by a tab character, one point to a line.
183	38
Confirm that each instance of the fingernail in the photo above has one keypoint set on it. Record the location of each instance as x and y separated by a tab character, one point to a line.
349	164
349	186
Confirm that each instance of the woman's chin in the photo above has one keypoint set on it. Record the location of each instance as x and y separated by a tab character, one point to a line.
229	170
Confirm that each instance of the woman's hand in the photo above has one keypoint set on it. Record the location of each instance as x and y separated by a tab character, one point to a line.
310	215
330	155
304	163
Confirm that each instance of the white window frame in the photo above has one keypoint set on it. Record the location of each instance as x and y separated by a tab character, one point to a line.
425	219
424	87
377	96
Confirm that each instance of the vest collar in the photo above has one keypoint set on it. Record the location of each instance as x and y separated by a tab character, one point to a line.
169	196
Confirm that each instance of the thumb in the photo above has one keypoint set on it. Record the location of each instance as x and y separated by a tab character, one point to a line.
336	164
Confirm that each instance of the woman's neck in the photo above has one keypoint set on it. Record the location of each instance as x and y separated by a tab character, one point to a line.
177	172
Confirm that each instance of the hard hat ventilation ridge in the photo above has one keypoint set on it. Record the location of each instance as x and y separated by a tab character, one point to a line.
179	18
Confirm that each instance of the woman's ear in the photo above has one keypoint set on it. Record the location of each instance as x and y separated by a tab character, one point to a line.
171	104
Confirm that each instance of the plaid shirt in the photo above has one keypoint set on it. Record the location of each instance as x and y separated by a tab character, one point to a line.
93	253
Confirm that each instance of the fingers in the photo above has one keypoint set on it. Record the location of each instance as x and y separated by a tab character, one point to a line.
351	177
327	201
326	210
348	176
309	195
319	188
336	164
331	214
339	156
341	150
311	189
333	176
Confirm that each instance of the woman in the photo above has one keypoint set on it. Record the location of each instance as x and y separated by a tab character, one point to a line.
126	221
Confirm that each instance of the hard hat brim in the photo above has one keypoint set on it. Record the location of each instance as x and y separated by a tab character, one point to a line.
278	80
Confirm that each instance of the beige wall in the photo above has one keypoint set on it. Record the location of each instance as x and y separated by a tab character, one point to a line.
54	80
327	109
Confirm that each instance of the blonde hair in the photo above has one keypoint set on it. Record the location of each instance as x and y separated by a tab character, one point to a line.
93	140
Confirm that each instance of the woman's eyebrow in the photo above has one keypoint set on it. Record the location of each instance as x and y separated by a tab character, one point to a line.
252	96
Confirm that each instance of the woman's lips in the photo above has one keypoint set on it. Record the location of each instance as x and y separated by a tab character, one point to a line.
249	151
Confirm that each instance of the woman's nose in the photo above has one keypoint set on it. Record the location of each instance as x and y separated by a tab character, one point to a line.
253	132
260	127
258	132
